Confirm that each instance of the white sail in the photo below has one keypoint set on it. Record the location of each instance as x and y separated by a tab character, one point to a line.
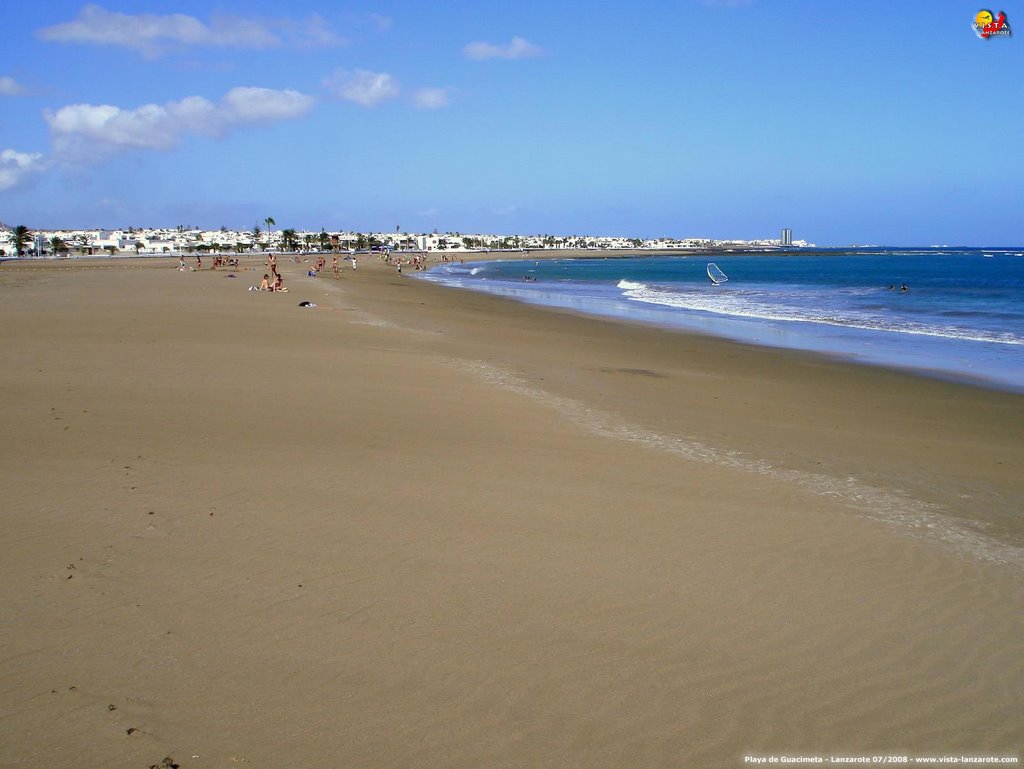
716	275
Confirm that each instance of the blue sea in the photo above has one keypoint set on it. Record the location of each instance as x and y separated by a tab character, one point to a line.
961	317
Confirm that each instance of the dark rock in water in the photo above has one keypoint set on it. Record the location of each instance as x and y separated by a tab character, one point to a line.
167	763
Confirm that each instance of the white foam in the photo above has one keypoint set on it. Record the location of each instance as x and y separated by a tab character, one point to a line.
743	304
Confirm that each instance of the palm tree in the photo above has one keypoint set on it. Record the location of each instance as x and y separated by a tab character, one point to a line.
325	241
269	221
21	235
255	235
288	239
57	245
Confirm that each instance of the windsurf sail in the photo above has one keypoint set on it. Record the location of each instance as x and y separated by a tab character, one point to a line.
716	274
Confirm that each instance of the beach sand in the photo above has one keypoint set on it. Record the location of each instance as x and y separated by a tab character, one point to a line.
421	527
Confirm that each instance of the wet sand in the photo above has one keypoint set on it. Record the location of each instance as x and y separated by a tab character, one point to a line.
416	526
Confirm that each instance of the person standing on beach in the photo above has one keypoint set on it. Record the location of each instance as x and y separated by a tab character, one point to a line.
353	262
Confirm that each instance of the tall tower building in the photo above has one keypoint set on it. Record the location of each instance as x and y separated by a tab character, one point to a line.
787	237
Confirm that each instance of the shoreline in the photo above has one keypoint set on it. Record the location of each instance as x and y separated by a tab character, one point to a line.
422	526
836	341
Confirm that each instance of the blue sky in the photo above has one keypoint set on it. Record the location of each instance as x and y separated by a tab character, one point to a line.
861	122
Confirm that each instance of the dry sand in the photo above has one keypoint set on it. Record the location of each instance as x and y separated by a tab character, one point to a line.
419	527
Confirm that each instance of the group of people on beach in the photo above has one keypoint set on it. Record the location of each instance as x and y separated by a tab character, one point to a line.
418	261
223	261
277	284
321	263
272	284
272	280
218	261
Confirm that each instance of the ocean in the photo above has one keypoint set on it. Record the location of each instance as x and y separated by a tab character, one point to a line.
960	318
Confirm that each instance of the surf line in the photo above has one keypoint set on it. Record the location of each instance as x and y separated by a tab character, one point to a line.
909	516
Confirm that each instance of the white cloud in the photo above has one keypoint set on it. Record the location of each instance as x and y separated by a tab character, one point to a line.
152	34
431	98
17	168
149	127
253	105
10	87
517	49
87	133
362	87
313	32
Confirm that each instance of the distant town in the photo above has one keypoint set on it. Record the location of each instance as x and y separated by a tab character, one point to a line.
22	241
